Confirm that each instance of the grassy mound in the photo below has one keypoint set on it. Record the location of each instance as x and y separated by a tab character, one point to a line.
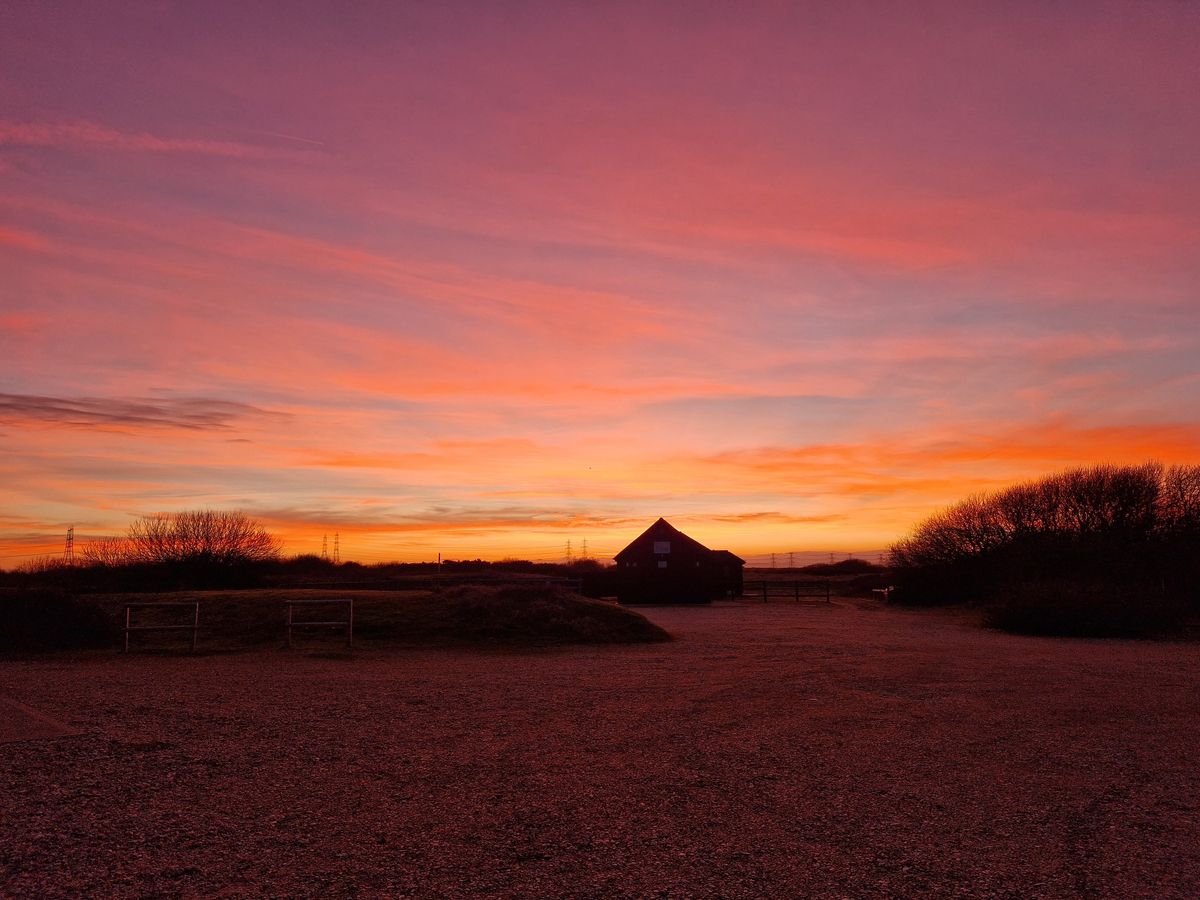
520	613
509	615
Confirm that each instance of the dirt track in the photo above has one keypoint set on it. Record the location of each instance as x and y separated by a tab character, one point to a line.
770	751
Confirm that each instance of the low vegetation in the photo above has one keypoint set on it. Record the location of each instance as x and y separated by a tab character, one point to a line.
34	620
849	566
228	550
526	615
1083	609
1105	550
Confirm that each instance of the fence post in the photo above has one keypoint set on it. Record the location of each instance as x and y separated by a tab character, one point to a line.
195	625
289	626
127	610
350	627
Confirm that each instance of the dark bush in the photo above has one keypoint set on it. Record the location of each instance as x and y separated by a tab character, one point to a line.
38	620
1076	541
1089	609
852	566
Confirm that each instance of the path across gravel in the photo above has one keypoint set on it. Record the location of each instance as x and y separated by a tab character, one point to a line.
770	751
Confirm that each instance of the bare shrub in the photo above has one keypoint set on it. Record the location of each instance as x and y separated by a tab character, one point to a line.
106	552
43	565
195	536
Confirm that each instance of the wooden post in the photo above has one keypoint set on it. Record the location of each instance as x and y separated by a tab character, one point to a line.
289	626
127	611
796	585
350	627
195	626
828	597
764	584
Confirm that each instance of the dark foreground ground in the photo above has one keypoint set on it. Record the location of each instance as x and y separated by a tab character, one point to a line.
770	751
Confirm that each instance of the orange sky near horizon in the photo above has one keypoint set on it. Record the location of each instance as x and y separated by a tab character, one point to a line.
480	279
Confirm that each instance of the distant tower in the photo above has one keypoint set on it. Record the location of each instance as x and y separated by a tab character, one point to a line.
324	546
337	550
791	560
772	560
570	555
69	549
583	552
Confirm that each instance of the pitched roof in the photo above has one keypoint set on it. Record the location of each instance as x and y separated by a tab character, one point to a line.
662	530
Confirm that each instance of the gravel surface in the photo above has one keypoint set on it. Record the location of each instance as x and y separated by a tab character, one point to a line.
771	750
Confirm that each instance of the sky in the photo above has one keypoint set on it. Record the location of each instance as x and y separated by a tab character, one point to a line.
484	278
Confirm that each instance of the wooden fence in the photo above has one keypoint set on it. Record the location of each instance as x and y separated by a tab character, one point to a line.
346	623
788	590
194	627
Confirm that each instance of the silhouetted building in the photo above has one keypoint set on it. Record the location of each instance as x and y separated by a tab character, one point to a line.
664	565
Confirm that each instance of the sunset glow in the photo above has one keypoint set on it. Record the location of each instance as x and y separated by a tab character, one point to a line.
480	279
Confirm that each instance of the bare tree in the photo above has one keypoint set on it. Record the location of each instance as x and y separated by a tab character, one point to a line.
110	551
194	536
1127	506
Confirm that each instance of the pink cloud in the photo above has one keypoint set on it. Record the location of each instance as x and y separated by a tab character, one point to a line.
23	240
90	135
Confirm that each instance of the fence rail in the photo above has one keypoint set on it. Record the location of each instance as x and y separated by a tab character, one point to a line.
788	590
346	623
194	628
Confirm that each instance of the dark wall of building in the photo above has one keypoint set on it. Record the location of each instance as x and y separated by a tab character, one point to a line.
664	565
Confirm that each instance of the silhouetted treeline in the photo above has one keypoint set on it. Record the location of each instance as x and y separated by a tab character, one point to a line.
206	573
852	566
1106	549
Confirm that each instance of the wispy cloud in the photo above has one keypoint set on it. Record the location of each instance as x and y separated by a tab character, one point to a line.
192	413
90	135
24	240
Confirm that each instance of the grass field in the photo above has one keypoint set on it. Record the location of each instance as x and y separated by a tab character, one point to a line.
769	750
